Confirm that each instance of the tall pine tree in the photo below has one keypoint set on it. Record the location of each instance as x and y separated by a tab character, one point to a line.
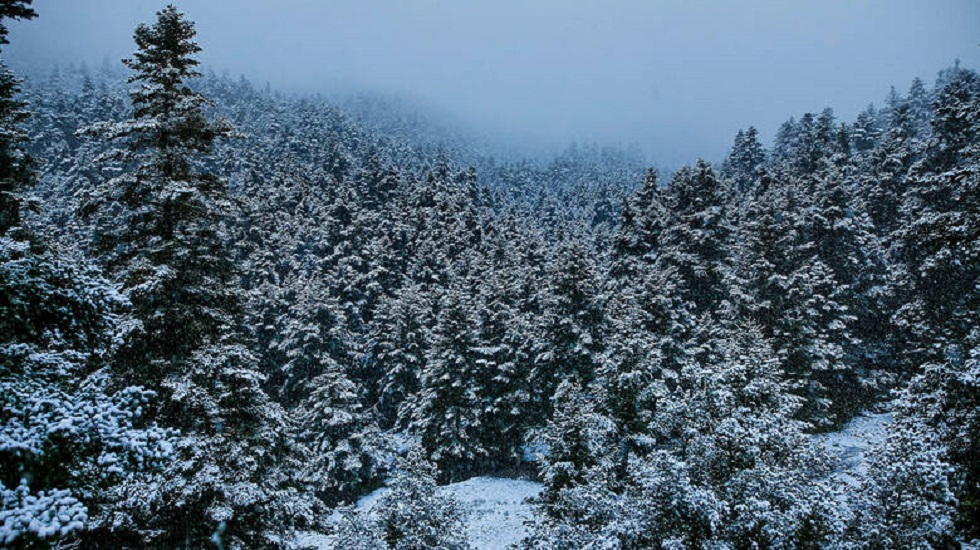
169	252
16	166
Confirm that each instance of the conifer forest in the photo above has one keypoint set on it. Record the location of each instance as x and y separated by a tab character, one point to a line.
232	317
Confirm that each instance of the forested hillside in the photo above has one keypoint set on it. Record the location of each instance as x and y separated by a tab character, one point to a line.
226	313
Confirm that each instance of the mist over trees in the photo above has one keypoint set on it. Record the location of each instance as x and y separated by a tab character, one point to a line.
226	314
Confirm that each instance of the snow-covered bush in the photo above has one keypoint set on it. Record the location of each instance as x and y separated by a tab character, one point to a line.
907	499
45	515
65	435
729	466
410	517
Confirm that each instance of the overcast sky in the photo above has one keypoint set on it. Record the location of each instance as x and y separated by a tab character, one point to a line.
676	77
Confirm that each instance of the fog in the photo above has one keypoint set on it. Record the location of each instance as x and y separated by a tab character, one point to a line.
677	78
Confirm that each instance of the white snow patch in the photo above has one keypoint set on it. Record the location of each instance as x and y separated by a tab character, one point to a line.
495	511
853	442
305	540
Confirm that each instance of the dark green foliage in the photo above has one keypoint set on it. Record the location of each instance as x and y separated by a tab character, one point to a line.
695	243
573	325
447	412
941	248
939	239
342	438
577	439
185	340
16	166
168	253
744	161
14	9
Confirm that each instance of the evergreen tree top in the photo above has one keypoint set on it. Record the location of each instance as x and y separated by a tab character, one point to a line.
165	50
14	9
169	126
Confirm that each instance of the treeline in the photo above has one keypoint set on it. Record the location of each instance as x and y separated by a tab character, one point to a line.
224	312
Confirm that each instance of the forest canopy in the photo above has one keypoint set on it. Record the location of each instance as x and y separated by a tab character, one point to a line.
227	313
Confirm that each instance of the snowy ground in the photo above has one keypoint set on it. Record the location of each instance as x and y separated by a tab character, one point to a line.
853	442
495	509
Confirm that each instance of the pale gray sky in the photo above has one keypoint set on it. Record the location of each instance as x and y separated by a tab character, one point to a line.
677	77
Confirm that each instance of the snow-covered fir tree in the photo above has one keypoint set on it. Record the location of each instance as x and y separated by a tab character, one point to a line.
16	166
184	338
